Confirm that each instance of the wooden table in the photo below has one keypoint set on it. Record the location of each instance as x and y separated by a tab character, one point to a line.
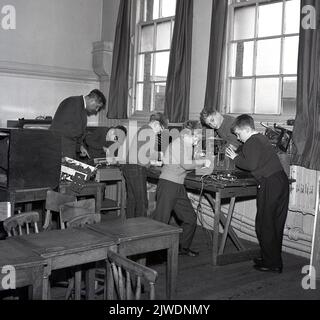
114	174
69	248
91	188
23	196
241	187
141	235
30	268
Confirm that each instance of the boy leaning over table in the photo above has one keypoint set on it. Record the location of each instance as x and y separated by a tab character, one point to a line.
259	157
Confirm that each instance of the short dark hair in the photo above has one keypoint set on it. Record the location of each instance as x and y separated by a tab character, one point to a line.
243	120
122	128
204	114
99	96
160	117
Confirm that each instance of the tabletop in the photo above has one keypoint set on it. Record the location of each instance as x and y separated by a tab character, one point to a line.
134	228
67	241
16	254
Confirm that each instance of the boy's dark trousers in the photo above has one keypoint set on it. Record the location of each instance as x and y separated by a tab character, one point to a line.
272	210
173	196
136	183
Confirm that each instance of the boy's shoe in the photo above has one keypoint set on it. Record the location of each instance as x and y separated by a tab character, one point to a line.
268	269
188	252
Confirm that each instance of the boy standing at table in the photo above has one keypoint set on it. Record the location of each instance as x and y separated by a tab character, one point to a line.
171	194
259	157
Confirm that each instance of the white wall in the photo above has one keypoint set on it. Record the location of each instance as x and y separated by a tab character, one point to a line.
48	57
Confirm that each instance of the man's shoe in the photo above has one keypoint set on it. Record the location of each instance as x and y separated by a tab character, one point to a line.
188	252
268	269
258	261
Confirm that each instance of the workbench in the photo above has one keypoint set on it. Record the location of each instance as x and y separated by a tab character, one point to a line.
215	190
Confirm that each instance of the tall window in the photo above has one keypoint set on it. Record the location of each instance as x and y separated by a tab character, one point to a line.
154	28
263	56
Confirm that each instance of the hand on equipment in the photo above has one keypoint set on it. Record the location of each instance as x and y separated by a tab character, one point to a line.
230	152
84	152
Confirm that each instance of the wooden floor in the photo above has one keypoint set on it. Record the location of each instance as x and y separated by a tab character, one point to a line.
198	279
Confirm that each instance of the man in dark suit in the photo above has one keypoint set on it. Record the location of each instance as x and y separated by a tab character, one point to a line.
70	121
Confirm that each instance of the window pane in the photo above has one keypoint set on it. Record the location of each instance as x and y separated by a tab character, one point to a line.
163	36
289	95
244	22
168	8
290	55
156	9
292	16
161	66
145	63
159	96
147	35
139	97
267	96
242	59
241	96
268	57
270	19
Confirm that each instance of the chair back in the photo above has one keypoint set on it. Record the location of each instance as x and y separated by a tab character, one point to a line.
53	202
70	210
80	221
124	278
22	222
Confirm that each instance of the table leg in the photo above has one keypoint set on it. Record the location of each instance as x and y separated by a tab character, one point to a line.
77	285
38	283
98	199
217	212
172	268
227	225
90	278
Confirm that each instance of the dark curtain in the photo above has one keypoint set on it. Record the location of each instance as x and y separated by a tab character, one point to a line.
216	53
118	94
306	132
178	79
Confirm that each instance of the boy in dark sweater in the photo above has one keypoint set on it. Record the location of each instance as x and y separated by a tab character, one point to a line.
259	157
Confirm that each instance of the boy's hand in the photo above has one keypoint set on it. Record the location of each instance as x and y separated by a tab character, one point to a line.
231	153
84	152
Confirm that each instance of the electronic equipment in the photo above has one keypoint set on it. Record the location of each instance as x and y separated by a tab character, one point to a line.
29	158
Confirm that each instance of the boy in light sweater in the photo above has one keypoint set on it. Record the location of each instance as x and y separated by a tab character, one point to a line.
171	194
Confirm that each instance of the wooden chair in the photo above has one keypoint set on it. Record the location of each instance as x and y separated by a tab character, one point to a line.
26	221
71	210
124	277
73	214
83	220
53	202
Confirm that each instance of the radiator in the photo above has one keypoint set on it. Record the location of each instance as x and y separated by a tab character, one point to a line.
303	191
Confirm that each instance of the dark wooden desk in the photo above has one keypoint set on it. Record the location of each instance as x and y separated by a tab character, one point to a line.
30	268
91	188
67	248
15	196
142	235
242	187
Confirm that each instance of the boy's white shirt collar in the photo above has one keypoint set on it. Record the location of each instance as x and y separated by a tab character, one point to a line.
84	102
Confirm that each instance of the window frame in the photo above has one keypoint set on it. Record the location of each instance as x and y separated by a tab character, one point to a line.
232	6
138	25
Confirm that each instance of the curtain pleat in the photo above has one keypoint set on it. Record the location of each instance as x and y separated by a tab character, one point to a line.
177	95
216	55
118	94
306	132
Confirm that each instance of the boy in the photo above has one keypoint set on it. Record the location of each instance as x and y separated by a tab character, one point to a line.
171	193
259	157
